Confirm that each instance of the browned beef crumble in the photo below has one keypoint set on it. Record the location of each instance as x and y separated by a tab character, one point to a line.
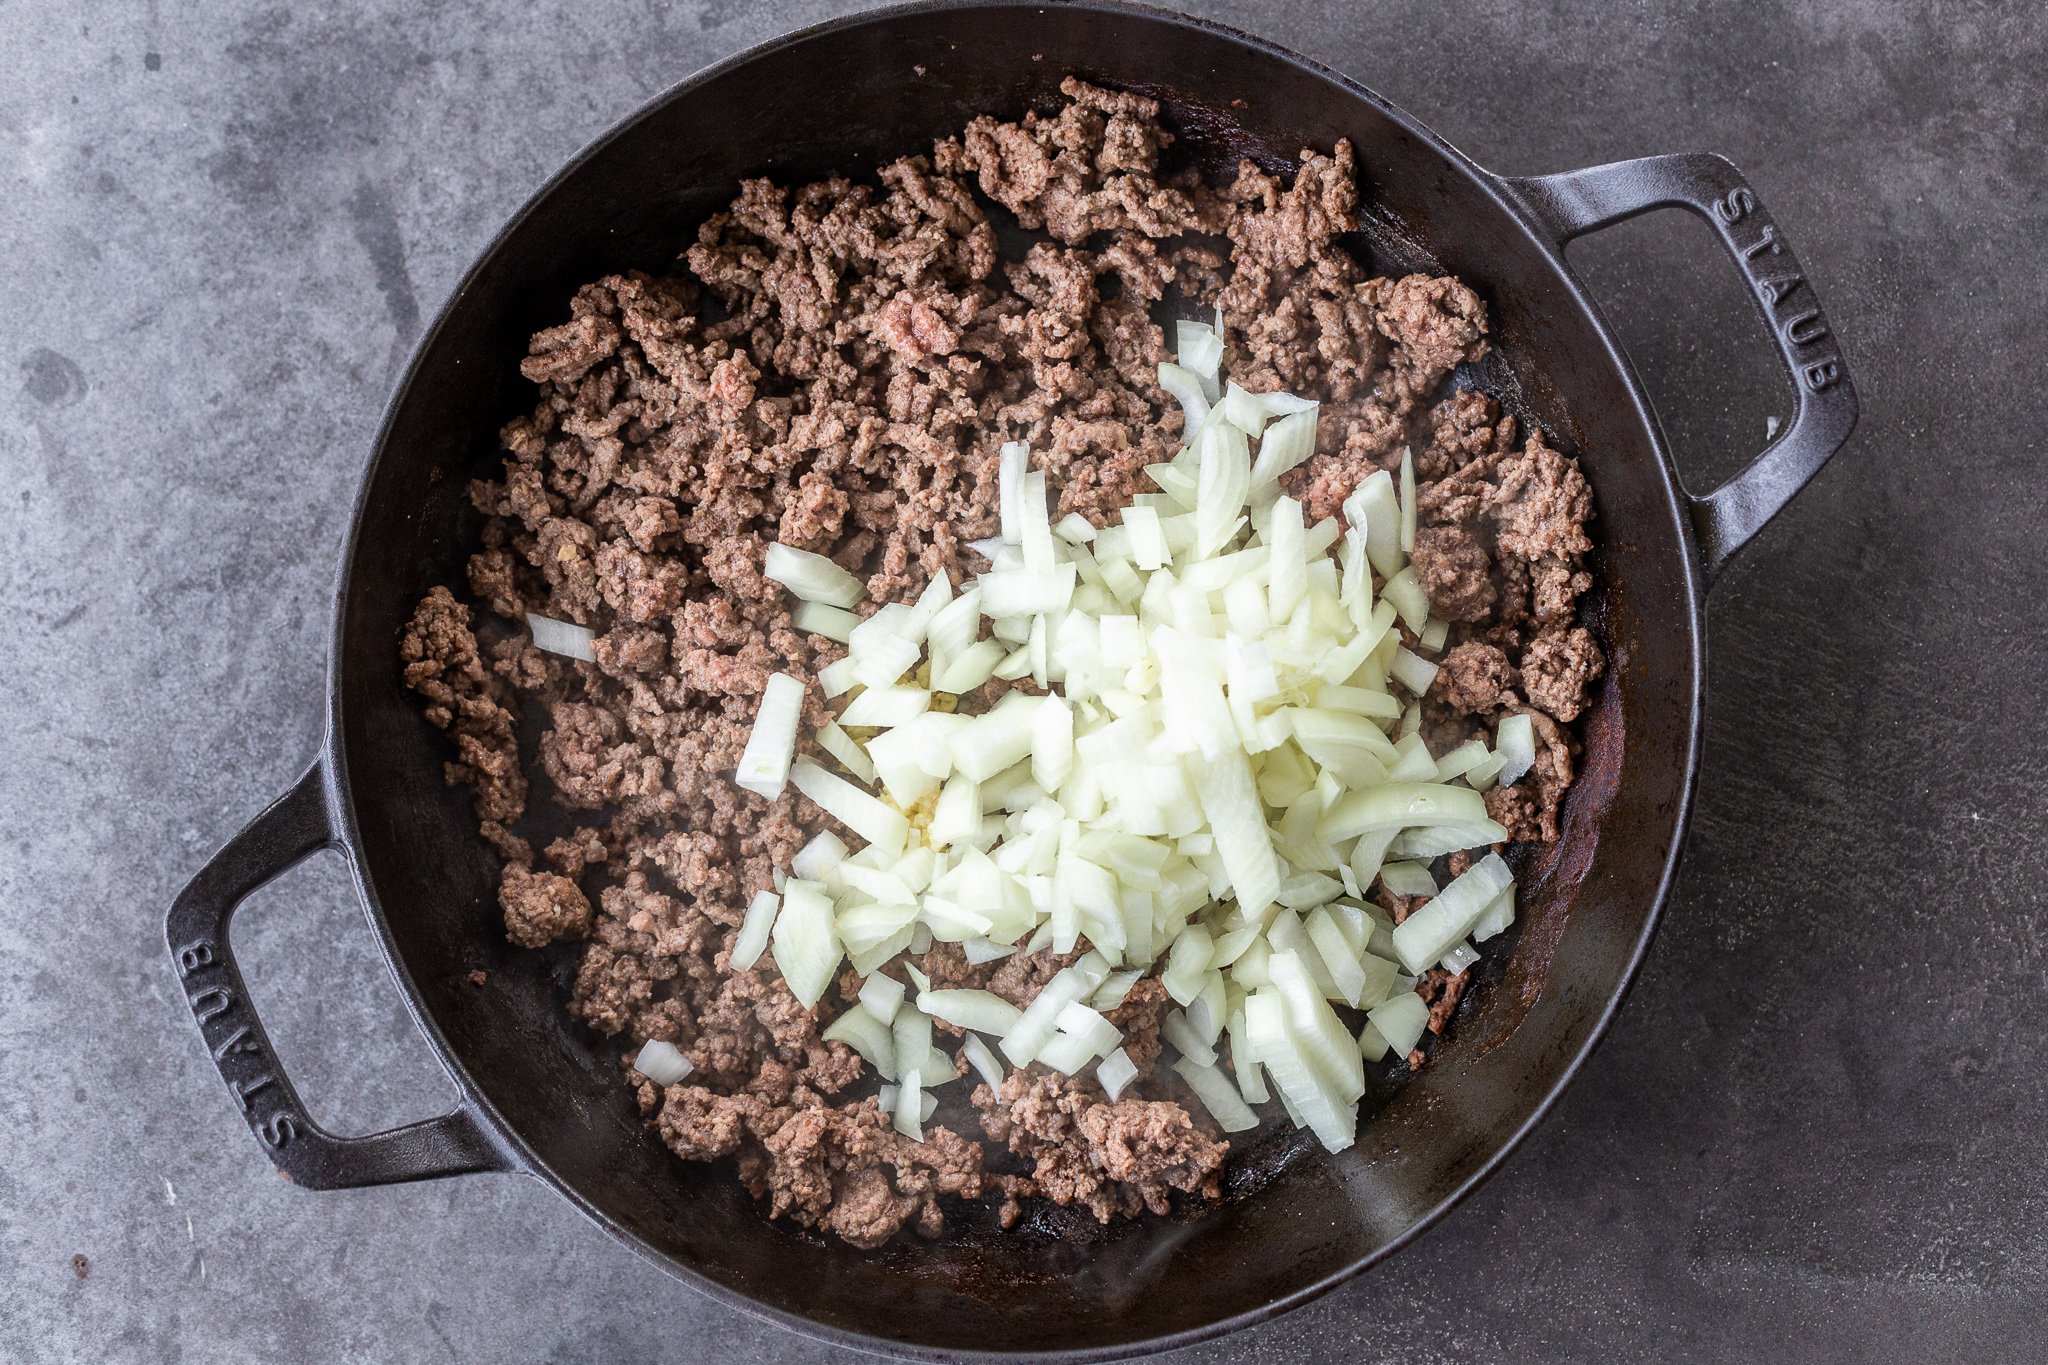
836	368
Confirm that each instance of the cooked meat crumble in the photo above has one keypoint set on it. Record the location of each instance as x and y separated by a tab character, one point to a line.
836	366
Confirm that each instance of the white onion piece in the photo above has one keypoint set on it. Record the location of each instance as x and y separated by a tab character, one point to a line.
1413	671
1433	635
1515	741
1177	1030
980	951
1409	598
983	1061
868	1036
1372	1044
1012	464
1115	1072
1187	389
811	577
852	807
816	859
816	618
662	1063
1372	508
1217	1095
1407	501
1198	348
565	638
764	763
1408	879
807	947
909	1115
981	1011
1430	931
1496	917
882	996
1459	958
1286	444
1401	1021
752	940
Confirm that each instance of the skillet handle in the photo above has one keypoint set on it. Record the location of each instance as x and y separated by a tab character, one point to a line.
1573	203
294	828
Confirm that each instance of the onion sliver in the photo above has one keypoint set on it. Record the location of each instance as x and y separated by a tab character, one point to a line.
982	1011
1431	929
752	940
1217	1095
852	807
1515	740
1115	1072
868	1036
811	577
764	763
662	1063
565	638
807	947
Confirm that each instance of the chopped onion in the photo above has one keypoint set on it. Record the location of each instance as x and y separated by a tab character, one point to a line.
1187	390
1199	349
1400	1021
834	740
811	577
764	763
1413	671
752	940
1407	501
807	947
662	1063
909	1116
868	1036
1408	879
1177	1030
1013	463
1372	508
882	996
852	807
1113	1074
1287	444
816	618
1515	740
1217	1095
565	638
983	1061
1430	931
982	1011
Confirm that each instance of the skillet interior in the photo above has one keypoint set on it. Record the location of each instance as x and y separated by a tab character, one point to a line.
838	100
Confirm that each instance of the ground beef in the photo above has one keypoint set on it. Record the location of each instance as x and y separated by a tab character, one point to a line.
541	907
836	366
1116	1159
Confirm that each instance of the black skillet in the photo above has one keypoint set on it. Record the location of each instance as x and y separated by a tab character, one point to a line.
543	1098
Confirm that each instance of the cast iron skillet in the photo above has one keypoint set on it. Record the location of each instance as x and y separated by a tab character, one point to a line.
542	1097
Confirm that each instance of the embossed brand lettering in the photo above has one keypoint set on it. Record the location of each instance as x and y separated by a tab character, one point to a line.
193	956
238	1041
1777	291
1815	329
1767	241
246	1093
223	1000
1821	374
1734	206
278	1129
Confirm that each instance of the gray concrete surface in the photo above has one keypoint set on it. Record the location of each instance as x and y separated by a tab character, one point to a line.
1819	1129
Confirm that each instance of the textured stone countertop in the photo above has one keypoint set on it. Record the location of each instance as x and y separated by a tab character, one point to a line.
1818	1130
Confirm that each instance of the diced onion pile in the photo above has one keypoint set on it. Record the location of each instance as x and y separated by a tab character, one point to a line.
1223	755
